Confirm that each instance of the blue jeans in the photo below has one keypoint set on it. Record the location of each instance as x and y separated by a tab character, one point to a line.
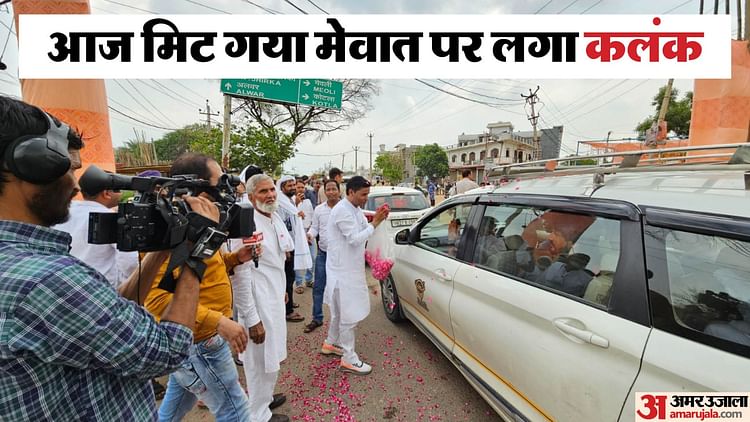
208	374
308	273
320	286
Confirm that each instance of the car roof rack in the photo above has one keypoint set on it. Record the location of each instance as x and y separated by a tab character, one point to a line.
632	162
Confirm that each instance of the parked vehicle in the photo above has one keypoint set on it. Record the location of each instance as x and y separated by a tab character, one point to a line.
560	295
406	205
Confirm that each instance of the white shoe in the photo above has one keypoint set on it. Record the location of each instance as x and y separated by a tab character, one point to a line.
359	368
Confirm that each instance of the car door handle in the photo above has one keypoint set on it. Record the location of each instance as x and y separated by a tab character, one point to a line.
584	335
442	275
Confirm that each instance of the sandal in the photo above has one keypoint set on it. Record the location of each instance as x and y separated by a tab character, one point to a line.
299	290
295	317
312	326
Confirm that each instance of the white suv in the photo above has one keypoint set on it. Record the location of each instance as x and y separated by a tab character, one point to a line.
560	296
406	205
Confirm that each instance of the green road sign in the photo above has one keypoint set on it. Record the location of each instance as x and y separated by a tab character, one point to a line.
313	92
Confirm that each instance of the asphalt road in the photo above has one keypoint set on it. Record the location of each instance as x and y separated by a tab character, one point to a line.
411	379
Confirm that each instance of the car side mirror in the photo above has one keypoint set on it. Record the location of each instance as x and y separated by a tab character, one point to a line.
402	237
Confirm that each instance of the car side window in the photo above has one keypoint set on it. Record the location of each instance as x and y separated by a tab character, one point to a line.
571	253
701	287
442	233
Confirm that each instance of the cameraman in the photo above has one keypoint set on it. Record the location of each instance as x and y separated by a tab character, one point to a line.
113	264
209	374
70	347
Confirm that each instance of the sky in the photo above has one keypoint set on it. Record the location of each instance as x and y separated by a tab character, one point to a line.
405	111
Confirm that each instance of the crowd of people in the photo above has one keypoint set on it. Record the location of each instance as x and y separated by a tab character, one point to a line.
85	329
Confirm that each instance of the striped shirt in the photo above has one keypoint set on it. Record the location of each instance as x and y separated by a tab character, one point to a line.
70	347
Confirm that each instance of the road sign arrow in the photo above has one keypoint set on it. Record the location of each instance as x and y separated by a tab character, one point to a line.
307	83
306	97
228	86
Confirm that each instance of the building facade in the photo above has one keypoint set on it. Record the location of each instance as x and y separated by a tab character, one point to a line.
480	152
406	156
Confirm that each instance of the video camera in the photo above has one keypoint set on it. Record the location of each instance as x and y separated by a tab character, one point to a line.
158	219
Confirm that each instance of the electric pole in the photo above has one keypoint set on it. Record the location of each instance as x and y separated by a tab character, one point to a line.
208	114
342	161
356	150
532	99
370	174
227	130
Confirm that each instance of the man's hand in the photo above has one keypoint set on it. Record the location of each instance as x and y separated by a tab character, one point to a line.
301	214
258	333
203	206
380	215
233	333
309	239
248	252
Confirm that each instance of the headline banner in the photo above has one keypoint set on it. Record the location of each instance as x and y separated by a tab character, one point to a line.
375	46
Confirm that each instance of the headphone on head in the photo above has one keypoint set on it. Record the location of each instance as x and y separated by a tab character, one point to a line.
40	159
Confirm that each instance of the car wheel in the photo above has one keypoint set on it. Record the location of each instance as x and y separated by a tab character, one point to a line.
391	304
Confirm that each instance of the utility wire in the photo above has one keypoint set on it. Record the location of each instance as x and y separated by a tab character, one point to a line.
263	8
542	8
591	7
130	7
317	7
138	120
145	98
480	95
130	110
495	105
134	98
566	7
10	32
609	101
295	6
175	93
208	7
677	7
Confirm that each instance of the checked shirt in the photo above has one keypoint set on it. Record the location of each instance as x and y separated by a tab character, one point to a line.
70	347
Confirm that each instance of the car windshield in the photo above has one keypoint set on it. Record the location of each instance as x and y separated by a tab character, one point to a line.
398	202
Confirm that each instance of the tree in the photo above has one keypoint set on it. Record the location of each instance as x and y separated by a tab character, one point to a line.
390	166
267	148
175	143
355	103
678	113
431	161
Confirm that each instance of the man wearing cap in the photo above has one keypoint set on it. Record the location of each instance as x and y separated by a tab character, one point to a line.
116	266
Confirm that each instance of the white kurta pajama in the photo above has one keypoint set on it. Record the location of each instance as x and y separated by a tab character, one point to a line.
259	297
346	291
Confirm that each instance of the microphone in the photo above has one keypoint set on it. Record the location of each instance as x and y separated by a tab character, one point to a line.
253	240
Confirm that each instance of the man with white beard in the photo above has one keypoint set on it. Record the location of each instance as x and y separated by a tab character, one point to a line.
346	284
259	295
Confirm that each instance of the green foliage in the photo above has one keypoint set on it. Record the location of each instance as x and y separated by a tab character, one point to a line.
678	113
390	166
267	148
174	144
431	161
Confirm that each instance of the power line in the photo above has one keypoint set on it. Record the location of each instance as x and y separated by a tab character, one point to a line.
179	96
131	7
478	94
208	7
318	7
188	88
130	110
295	6
677	7
566	7
263	8
592	6
542	8
10	32
609	101
495	105
139	121
145	98
133	97
572	110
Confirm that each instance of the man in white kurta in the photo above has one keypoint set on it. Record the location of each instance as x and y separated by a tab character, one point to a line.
259	298
346	285
115	265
